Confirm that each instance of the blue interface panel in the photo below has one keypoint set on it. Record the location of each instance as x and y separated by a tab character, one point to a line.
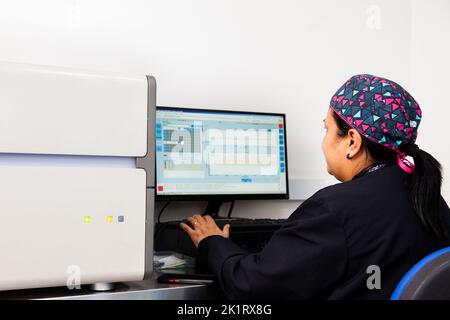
203	152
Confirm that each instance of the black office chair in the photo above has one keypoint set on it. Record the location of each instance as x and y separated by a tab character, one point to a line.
429	279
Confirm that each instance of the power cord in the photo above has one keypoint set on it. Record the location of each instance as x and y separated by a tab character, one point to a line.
162	210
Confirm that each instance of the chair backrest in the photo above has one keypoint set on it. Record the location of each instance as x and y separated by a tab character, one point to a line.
429	279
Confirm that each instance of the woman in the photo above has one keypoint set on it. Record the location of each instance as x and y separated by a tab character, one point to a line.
387	213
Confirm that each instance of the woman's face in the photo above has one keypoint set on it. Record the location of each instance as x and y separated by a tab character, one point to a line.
335	148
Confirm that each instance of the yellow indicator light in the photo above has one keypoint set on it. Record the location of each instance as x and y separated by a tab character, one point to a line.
87	219
109	218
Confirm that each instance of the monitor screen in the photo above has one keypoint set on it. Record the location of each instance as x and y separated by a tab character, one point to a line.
212	154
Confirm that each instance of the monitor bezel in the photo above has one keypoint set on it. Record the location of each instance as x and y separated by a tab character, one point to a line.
226	197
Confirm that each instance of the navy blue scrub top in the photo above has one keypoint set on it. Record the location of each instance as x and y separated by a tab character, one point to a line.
324	249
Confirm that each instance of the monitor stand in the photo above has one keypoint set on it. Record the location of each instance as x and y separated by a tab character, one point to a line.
213	208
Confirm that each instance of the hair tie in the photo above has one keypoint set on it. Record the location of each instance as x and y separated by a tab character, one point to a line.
404	163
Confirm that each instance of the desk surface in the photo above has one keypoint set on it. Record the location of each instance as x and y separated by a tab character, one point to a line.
138	290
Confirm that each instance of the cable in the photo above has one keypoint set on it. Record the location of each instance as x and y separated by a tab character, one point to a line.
230	210
162	209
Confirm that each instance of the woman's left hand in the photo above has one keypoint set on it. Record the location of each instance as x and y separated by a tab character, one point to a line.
202	227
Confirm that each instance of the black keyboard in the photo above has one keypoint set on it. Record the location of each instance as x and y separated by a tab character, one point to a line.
243	223
250	234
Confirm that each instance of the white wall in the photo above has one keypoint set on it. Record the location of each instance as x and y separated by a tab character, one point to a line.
284	55
430	73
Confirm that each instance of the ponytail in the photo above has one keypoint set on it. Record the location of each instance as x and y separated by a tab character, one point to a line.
425	187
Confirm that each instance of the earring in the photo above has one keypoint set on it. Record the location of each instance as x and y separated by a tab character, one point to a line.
348	156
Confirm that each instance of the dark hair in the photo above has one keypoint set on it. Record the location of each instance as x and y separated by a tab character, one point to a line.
424	183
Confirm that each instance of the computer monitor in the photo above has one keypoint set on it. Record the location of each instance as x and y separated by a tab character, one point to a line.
220	155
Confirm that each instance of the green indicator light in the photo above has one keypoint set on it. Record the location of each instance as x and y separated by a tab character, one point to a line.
87	219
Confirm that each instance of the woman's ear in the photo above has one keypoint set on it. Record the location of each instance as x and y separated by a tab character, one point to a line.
354	142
